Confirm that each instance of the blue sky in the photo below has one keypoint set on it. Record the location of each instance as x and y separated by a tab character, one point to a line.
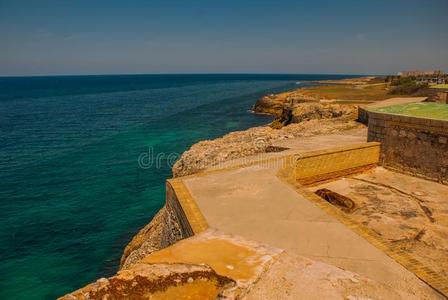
114	37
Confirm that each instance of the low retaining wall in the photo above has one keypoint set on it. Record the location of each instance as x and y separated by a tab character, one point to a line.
438	95
317	166
412	145
181	203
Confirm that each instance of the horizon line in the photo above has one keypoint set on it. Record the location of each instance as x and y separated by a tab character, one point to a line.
188	73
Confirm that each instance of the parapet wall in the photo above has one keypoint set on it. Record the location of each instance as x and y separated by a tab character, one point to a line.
317	166
181	203
413	145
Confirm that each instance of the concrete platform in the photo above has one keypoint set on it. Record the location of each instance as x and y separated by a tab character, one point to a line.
254	203
253	198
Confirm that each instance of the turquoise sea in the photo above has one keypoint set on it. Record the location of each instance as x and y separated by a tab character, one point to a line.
72	193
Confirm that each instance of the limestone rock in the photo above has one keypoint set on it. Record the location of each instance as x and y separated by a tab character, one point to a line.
271	104
214	265
249	142
297	113
162	231
157	281
310	111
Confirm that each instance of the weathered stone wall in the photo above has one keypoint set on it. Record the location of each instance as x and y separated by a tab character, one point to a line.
187	213
438	95
321	165
413	145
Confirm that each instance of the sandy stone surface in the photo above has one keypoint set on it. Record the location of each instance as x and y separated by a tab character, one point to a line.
295	277
408	212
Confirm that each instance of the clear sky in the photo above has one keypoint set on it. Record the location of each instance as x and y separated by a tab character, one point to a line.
39	37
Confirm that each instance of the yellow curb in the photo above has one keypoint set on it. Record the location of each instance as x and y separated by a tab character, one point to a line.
191	210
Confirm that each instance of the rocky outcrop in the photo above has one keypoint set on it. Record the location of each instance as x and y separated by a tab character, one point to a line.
249	142
315	111
297	106
156	281
161	232
273	104
297	113
213	265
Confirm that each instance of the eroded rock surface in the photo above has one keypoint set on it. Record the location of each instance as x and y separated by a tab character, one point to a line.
250	142
273	104
296	113
161	232
407	212
157	281
213	265
287	109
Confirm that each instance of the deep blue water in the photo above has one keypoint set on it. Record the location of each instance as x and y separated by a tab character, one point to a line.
72	191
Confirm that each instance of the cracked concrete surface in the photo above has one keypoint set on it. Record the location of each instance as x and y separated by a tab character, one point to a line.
409	212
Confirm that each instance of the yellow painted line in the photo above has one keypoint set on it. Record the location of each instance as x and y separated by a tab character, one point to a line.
189	206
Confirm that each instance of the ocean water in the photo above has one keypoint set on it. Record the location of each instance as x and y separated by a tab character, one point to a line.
73	190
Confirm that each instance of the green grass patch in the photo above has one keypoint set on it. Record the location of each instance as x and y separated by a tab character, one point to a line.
425	110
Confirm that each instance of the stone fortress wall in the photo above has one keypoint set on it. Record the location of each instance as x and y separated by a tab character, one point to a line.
412	145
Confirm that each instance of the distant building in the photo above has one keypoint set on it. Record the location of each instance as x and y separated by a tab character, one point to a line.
436	73
426	77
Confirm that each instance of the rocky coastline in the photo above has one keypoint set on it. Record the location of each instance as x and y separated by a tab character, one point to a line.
161	263
296	115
